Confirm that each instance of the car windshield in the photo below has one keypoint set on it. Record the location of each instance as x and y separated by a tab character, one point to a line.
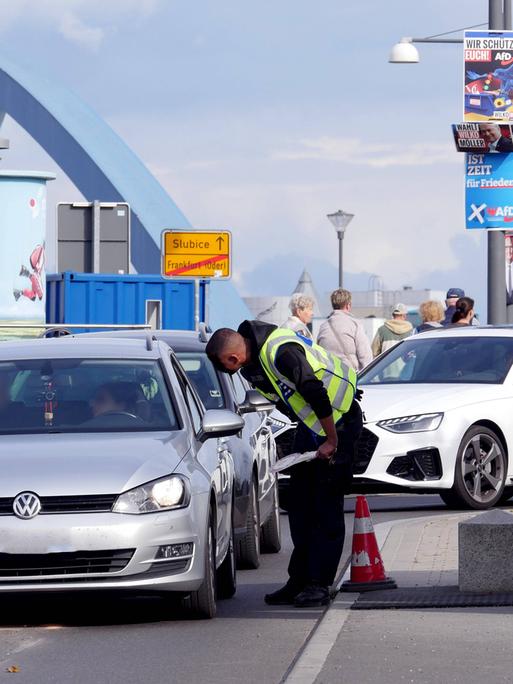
478	360
203	376
83	395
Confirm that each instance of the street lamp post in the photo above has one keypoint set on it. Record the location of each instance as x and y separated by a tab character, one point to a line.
340	220
404	52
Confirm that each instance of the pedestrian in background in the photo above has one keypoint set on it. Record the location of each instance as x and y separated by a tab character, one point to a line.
432	315
301	309
464	312
452	296
392	331
343	335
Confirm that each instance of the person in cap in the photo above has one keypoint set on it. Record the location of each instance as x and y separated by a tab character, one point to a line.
318	391
452	296
392	331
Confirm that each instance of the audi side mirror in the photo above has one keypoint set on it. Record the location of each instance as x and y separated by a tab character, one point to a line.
254	401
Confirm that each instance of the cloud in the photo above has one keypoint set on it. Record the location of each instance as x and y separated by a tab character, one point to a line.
74	30
379	155
83	22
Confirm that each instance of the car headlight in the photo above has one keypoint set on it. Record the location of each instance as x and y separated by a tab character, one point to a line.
420	423
159	495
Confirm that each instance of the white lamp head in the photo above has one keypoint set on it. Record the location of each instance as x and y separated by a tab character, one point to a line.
404	52
340	220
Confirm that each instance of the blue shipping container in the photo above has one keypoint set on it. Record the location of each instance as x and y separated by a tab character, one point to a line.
128	299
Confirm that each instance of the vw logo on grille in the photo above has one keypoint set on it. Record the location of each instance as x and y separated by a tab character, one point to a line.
26	505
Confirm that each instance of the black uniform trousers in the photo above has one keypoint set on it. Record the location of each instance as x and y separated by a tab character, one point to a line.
316	503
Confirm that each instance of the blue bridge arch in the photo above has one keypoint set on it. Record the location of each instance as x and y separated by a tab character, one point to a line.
103	168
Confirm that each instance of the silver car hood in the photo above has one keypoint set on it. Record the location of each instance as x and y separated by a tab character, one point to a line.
72	464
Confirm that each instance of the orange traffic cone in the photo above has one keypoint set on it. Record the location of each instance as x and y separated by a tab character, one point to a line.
367	570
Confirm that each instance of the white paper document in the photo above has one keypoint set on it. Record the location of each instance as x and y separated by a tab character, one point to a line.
291	460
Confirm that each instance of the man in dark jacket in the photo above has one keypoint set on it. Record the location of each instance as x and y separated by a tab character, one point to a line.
452	296
316	508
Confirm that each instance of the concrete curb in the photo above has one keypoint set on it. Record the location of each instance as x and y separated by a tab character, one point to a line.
317	648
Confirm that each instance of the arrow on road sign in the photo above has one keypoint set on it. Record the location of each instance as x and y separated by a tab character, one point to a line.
219	241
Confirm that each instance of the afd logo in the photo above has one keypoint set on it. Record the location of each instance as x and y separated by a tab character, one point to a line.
484	213
505	213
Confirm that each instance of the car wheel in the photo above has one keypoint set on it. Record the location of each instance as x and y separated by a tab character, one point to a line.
480	474
248	548
271	529
202	602
227	573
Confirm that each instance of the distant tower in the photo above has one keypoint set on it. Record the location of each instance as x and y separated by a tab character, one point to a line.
305	286
4	144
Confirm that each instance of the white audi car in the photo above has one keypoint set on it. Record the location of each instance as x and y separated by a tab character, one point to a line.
439	417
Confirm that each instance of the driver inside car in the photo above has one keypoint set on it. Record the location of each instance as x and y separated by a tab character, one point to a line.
113	397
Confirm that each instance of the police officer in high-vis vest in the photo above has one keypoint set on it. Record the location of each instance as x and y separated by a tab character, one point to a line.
318	391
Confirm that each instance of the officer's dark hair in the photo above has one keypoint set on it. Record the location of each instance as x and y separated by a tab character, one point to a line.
218	343
463	306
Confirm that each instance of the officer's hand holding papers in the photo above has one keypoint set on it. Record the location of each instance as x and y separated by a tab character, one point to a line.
291	460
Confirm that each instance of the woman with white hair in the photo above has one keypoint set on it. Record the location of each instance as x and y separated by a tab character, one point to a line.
301	308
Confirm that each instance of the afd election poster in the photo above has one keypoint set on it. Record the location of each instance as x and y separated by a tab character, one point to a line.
488	84
508	237
486	137
489	191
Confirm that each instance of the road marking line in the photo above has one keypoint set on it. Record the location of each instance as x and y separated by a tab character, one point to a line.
307	667
20	649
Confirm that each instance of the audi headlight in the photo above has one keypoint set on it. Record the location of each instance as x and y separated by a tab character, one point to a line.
159	495
423	422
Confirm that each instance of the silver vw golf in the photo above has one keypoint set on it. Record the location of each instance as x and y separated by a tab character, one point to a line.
113	475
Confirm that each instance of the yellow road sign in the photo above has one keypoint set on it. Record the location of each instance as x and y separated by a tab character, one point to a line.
196	254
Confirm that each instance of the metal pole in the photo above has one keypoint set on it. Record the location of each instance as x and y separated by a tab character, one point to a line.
96	236
206	293
340	258
496	248
507	15
196	304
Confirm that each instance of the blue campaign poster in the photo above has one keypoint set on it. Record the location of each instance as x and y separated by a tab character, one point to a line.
489	191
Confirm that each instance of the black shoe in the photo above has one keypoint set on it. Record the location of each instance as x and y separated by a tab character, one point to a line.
312	596
282	597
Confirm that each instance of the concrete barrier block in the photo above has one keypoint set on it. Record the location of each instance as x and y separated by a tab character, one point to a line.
486	553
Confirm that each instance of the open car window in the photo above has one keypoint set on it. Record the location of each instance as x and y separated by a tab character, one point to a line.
84	395
203	377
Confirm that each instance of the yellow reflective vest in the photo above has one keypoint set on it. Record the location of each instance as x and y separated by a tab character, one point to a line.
338	378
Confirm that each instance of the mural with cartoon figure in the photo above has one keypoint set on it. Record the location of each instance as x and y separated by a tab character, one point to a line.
23	253
35	276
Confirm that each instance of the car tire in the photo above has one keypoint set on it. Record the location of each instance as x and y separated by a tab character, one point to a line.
270	537
248	547
227	573
480	471
202	602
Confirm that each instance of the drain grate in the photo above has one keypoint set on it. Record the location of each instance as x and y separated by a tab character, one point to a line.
429	597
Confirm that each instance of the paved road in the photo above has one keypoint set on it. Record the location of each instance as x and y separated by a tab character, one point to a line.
99	638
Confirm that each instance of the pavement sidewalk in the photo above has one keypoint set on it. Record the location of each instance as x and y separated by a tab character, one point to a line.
430	646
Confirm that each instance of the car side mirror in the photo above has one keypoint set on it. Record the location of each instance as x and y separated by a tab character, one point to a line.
219	423
254	401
